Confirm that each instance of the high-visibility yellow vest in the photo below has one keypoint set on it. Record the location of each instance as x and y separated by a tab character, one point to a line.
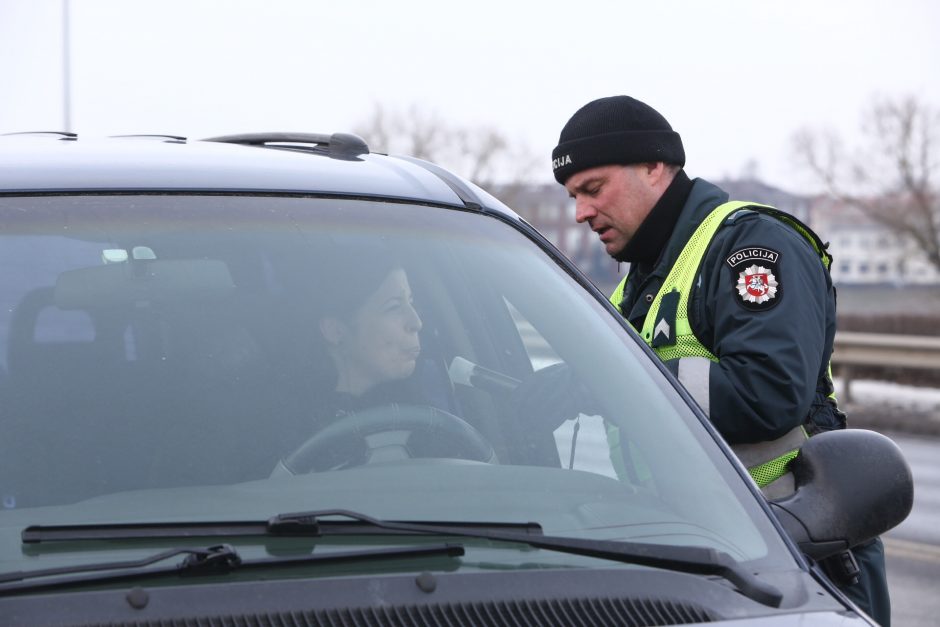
766	461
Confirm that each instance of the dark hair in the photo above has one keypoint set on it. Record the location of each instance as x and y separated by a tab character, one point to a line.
349	273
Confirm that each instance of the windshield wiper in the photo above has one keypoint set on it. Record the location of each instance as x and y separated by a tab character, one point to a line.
312	524
689	559
214	560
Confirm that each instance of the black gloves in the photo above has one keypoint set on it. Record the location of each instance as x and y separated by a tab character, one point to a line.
550	396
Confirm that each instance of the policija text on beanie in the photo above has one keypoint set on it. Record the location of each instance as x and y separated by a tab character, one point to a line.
614	130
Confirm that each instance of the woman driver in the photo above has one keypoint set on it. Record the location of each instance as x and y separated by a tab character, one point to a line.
375	341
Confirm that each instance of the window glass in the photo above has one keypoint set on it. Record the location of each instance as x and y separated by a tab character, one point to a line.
202	357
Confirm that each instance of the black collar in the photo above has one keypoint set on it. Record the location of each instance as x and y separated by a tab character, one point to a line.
653	233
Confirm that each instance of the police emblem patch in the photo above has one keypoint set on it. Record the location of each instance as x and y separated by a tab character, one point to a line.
756	284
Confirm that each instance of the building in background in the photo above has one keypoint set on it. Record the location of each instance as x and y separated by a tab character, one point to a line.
868	253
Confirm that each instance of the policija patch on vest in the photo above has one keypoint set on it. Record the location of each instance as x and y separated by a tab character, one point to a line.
757	286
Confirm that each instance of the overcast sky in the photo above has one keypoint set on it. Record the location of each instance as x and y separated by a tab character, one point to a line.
735	78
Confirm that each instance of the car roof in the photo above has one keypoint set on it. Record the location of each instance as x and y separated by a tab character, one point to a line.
301	163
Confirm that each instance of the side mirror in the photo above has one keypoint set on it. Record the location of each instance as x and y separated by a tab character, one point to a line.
852	485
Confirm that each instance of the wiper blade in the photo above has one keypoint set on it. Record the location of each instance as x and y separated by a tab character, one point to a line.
689	559
221	555
287	525
214	560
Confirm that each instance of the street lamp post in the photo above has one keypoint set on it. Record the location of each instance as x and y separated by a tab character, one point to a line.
66	69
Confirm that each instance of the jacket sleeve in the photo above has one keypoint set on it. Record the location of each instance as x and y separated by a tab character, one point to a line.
761	304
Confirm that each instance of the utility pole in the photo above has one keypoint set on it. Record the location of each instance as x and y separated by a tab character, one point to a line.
66	69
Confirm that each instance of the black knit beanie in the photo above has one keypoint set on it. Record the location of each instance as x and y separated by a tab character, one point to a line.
617	129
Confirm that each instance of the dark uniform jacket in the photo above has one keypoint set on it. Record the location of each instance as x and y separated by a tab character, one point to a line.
773	356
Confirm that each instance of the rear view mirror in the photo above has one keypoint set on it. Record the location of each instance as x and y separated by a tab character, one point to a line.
157	280
852	485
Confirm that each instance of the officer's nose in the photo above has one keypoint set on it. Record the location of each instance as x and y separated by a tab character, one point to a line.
583	210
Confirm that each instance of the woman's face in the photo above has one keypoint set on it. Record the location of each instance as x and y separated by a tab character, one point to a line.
379	342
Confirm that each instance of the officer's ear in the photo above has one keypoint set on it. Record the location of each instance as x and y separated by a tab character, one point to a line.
658	174
333	331
654	169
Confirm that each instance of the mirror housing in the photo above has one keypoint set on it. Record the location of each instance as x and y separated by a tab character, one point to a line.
158	280
852	485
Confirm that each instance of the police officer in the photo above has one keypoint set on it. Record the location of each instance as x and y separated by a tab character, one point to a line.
736	298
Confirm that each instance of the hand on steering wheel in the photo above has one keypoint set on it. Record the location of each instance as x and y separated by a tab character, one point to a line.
389	433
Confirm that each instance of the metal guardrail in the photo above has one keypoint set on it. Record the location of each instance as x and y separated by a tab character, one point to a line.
849	349
882	349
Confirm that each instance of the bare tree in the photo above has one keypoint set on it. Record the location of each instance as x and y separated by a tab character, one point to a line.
485	155
892	177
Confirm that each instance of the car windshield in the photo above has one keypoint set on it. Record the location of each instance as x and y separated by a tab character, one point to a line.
180	357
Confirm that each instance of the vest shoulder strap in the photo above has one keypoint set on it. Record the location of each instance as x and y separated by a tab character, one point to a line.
617	296
681	277
808	233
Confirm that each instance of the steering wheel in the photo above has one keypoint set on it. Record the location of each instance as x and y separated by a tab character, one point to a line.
389	433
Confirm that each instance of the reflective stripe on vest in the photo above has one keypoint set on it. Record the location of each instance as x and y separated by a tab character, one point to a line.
765	461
